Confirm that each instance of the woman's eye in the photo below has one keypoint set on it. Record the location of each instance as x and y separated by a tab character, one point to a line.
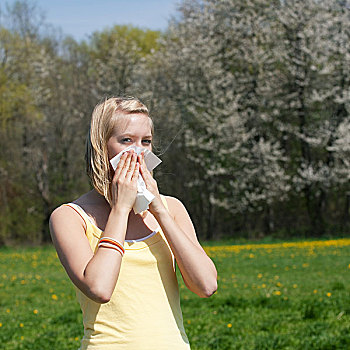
126	139
148	142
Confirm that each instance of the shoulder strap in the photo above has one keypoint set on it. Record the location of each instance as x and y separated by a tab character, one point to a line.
164	202
80	211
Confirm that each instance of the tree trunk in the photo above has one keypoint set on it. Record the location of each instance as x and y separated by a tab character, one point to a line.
346	210
268	220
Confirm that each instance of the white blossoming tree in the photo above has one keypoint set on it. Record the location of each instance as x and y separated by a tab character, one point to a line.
213	58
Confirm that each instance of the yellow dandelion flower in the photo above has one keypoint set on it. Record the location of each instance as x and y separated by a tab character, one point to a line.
21	325
76	338
315	291
295	285
260	275
263	285
229	325
312	245
274	265
8	311
278	284
22	337
35	311
251	255
329	294
0	324
277	292
189	321
277	277
54	297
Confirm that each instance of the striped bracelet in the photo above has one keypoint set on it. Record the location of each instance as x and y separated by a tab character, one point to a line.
111	242
110	246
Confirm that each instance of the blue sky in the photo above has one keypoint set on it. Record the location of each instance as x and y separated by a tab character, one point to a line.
80	18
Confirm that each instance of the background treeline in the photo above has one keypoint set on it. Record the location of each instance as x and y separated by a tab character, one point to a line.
250	102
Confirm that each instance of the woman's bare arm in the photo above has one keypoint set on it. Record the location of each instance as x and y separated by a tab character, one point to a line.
96	274
197	269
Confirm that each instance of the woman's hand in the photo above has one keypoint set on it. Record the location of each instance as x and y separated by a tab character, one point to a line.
124	183
151	185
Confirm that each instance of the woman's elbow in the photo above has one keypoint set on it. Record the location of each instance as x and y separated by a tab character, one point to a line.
99	295
102	299
208	289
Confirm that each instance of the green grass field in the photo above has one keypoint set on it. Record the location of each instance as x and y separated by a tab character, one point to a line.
270	296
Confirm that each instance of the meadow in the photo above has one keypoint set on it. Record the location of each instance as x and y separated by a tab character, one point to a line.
271	296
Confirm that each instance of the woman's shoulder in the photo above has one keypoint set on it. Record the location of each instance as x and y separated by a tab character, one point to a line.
171	199
175	206
180	214
64	216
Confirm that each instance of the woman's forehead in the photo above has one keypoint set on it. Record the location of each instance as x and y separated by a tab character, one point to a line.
133	123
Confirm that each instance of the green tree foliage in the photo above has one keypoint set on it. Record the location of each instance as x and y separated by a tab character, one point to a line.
260	92
114	55
250	102
18	116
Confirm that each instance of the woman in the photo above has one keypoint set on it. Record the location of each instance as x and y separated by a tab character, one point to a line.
122	263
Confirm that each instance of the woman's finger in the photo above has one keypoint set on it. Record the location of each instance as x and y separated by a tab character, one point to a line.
143	167
136	172
126	165
131	168
120	166
142	162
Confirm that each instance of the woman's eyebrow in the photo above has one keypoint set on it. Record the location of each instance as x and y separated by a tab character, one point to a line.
129	134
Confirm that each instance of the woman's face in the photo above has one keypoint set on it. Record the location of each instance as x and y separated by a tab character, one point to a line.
131	130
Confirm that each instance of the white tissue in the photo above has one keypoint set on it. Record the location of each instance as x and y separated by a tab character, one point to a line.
143	197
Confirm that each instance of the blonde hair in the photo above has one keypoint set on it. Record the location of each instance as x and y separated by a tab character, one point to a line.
103	122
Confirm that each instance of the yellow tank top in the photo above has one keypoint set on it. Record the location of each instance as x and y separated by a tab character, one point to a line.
144	310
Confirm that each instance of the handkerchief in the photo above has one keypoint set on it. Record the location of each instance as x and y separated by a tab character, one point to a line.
143	197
